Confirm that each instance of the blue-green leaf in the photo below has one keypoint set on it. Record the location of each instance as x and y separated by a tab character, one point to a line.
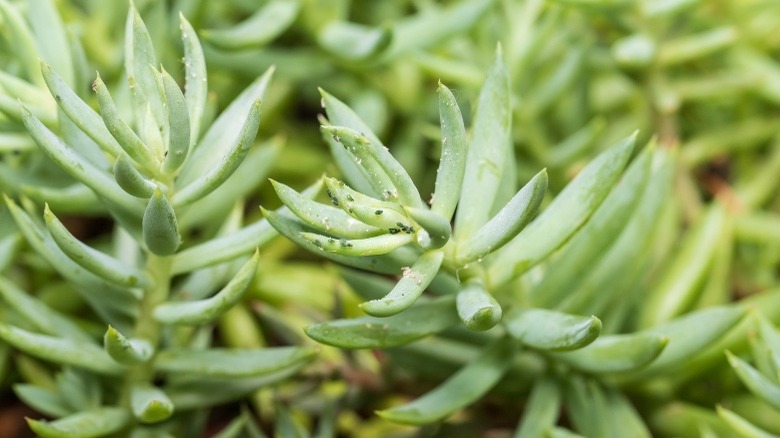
62	351
413	282
231	363
126	351
420	320
461	389
268	22
564	216
89	424
452	165
160	228
487	151
226	165
203	311
550	330
150	404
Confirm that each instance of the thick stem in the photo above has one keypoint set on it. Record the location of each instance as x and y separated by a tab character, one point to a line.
147	328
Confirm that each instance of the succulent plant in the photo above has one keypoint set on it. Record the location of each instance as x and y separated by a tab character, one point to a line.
596	255
157	178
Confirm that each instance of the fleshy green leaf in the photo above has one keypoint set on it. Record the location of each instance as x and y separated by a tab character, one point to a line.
126	351
757	383
127	138
689	335
354	42
140	61
740	425
160	228
412	284
43	400
231	363
51	36
370	246
179	121
422	319
452	166
461	389
227	164
567	213
379	164
220	138
23	44
203	311
96	179
339	114
150	404
434	25
79	112
487	151
95	423
616	353
380	214
542	409
613	272
131	180
550	330
268	22
98	263
195	80
678	288
505	224
43	317
110	301
324	218
63	351
562	276
198	392
434	231
252	172
477	308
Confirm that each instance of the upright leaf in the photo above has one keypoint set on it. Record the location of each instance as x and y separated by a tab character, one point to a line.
452	164
567	213
195	80
488	149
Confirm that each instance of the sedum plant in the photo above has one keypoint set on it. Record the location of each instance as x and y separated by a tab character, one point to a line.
158	169
385	227
594	298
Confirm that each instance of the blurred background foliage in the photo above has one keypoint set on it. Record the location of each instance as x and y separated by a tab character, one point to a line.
700	76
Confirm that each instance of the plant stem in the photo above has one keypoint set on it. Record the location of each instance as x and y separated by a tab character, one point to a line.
159	269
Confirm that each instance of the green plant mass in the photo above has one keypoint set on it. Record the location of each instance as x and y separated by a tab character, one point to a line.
333	218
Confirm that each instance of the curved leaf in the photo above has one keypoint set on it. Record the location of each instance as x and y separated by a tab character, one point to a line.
203	311
550	330
567	213
126	351
463	388
94	261
150	404
452	166
616	353
160	228
505	225
413	282
63	351
418	321
478	310
89	424
232	363
226	165
488	150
